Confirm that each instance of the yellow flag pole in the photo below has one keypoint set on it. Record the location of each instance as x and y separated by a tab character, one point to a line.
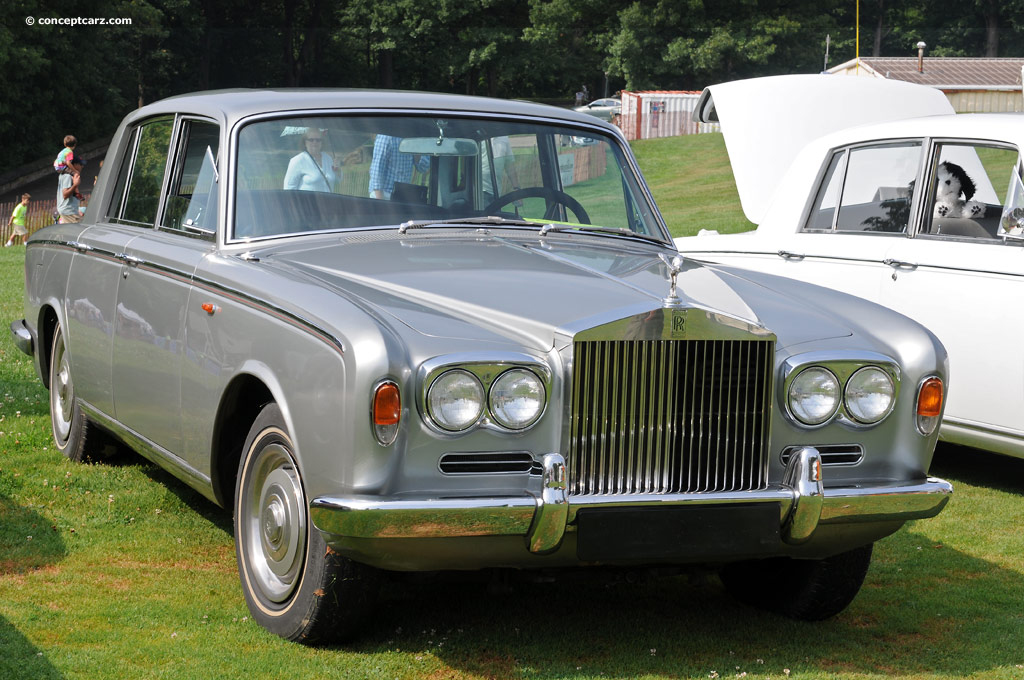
857	46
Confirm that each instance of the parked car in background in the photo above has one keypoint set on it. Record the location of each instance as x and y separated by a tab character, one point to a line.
504	363
879	208
605	109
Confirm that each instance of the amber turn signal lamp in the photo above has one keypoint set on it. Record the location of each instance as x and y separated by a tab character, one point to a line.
386	412
929	399
929	405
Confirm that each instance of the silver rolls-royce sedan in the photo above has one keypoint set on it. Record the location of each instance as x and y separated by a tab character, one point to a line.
408	332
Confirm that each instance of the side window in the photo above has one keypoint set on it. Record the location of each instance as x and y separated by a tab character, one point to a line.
144	173
117	201
867	189
970	187
192	197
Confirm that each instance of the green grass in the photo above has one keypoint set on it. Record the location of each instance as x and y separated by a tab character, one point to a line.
692	181
130	574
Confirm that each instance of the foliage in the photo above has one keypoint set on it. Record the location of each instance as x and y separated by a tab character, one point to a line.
82	79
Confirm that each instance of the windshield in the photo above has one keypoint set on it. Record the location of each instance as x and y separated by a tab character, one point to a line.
307	174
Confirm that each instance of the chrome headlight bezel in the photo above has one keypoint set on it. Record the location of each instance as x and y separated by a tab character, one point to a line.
487	368
500	414
856	411
472	390
843	365
824	378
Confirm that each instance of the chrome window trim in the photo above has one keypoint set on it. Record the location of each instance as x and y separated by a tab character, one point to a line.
227	237
932	165
846	149
176	141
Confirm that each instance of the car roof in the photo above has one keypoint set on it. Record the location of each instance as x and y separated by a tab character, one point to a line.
230	106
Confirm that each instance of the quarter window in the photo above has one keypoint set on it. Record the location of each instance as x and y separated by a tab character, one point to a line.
867	189
192	199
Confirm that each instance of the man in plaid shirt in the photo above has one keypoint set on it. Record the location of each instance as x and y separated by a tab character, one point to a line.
389	165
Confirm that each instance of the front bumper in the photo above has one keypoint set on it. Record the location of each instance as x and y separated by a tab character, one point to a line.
22	337
804	504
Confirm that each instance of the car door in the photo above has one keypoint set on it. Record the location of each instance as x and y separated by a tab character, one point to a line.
93	280
149	319
862	206
963	279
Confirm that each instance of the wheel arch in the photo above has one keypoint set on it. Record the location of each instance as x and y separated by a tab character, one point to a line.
242	401
46	328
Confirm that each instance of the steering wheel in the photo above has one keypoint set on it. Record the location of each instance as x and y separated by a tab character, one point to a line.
554	198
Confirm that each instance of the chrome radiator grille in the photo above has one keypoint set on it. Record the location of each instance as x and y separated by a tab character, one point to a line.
669	416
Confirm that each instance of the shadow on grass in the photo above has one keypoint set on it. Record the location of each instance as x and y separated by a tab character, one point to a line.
27	541
923	610
981	468
202	506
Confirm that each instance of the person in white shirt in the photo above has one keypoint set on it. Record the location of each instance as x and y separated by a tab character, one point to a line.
312	169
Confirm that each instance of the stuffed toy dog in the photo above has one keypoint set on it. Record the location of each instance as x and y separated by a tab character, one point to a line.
953	182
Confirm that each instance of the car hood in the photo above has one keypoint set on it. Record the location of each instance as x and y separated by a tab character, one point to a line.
766	121
532	290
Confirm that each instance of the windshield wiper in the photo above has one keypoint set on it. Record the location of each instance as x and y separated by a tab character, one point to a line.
490	219
589	228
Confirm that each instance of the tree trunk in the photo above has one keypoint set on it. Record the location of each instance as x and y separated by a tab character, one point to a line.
876	50
992	28
386	69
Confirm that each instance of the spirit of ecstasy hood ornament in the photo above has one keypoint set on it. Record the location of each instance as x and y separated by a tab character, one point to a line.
674	264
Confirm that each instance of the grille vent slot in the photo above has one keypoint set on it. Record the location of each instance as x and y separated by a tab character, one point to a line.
669	416
831	454
487	463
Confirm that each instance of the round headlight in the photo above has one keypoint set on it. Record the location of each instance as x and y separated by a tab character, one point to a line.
814	396
517	399
455	400
869	394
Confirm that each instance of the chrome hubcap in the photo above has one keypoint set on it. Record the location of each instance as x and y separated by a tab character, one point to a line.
275	520
62	395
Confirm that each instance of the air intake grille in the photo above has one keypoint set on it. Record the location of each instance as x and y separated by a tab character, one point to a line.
669	416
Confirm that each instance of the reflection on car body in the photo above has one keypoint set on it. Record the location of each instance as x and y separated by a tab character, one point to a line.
481	371
865	209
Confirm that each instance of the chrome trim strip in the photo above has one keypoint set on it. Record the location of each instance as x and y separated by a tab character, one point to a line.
213	287
153	452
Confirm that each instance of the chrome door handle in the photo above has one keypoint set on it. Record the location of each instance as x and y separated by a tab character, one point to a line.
130	260
900	264
786	255
80	247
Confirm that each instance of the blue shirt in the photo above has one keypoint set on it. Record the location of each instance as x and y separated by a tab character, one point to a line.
389	165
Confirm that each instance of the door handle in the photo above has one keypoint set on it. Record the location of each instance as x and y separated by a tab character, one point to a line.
900	264
130	260
786	255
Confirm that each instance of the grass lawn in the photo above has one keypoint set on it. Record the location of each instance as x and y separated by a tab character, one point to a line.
116	570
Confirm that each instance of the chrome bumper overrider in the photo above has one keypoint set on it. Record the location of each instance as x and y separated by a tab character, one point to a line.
22	336
804	504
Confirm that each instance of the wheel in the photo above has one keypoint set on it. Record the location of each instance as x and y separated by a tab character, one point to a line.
553	197
295	586
75	435
809	590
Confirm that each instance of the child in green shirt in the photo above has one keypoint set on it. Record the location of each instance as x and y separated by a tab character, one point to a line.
19	220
